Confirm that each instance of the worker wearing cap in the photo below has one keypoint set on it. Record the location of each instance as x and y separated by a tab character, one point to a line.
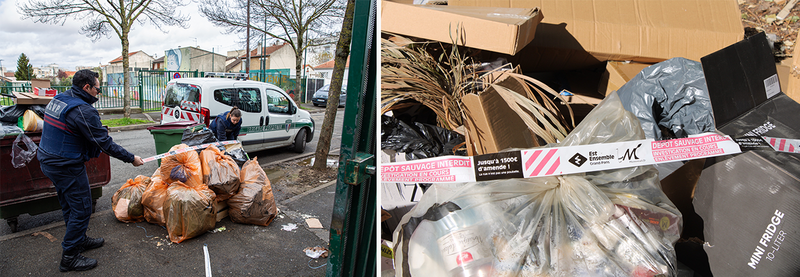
73	134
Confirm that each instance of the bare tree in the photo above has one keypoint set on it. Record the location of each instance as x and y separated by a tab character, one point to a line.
340	60
300	23
101	17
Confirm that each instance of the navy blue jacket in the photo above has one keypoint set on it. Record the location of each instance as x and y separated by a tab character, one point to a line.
82	122
224	129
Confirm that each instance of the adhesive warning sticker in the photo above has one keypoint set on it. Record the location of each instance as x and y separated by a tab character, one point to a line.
538	162
190	148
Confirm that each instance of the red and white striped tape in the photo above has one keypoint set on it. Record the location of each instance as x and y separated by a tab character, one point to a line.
783	144
536	161
187	149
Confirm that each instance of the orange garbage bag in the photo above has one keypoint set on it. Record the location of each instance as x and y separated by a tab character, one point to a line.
127	201
153	200
220	173
254	204
189	211
184	167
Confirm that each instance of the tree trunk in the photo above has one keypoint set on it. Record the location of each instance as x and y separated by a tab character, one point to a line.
342	52
125	74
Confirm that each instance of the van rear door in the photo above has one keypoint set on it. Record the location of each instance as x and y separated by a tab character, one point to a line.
181	102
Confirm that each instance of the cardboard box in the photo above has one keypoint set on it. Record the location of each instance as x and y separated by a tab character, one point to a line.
492	125
740	77
750	202
617	74
40	83
26	98
793	88
577	33
47	92
503	30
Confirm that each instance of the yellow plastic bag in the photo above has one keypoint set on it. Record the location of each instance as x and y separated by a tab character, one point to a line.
254	204
127	201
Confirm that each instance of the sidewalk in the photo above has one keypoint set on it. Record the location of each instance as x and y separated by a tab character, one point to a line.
143	249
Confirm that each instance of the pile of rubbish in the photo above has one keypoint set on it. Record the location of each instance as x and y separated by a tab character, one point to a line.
190	192
587	150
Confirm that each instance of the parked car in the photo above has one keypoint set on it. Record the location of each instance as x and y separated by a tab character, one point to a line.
270	118
321	96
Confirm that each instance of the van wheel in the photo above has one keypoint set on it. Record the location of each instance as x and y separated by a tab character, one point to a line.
300	141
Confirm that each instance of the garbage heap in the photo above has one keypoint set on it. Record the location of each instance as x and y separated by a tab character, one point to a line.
684	158
190	192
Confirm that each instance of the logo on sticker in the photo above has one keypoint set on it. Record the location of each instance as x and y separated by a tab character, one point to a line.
664	223
577	159
630	154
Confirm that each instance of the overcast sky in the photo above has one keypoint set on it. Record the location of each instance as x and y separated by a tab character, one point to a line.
45	44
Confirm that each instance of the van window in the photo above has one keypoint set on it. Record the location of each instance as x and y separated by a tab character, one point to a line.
180	92
277	102
247	99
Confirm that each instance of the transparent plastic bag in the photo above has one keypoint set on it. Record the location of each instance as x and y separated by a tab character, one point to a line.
603	223
184	167
127	201
255	203
19	156
189	211
220	173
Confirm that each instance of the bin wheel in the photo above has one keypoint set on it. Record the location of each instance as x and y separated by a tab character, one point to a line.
94	204
12	223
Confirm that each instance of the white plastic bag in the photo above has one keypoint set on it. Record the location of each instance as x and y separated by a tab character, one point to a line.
604	223
19	156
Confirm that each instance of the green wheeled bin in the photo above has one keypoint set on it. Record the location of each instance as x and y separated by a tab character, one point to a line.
168	135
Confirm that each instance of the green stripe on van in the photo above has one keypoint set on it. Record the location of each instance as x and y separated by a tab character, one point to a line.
273	127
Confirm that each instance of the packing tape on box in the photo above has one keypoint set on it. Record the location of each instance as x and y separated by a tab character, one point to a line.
539	162
187	149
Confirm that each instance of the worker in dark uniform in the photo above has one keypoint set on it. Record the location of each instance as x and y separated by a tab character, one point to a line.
227	125
73	134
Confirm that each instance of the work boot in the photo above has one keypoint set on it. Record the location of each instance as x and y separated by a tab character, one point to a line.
91	243
75	261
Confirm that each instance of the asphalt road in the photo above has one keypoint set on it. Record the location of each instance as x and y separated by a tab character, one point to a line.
140	142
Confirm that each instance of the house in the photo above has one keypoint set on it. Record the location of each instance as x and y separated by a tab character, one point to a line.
193	59
277	56
9	76
158	64
325	71
136	60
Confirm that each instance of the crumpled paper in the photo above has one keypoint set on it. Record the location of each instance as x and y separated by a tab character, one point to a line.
316	252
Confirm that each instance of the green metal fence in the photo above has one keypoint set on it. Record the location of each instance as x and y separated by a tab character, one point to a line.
146	89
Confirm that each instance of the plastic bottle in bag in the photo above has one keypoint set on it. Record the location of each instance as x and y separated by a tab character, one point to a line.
463	244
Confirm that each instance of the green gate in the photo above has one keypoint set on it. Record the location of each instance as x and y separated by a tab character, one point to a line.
353	222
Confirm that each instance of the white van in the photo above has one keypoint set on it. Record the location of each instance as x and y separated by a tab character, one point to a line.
270	118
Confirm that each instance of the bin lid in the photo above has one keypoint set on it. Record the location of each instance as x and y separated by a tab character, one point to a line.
175	125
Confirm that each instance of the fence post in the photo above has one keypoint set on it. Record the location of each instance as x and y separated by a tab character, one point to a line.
141	91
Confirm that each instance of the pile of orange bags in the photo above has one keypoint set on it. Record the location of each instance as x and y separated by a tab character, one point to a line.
127	201
254	204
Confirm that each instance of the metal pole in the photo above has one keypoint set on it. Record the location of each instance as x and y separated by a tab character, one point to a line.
247	63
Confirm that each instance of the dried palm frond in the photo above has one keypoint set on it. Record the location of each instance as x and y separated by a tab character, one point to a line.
410	72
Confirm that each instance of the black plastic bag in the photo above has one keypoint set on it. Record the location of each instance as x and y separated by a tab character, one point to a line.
12	113
670	99
238	155
420	140
197	137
